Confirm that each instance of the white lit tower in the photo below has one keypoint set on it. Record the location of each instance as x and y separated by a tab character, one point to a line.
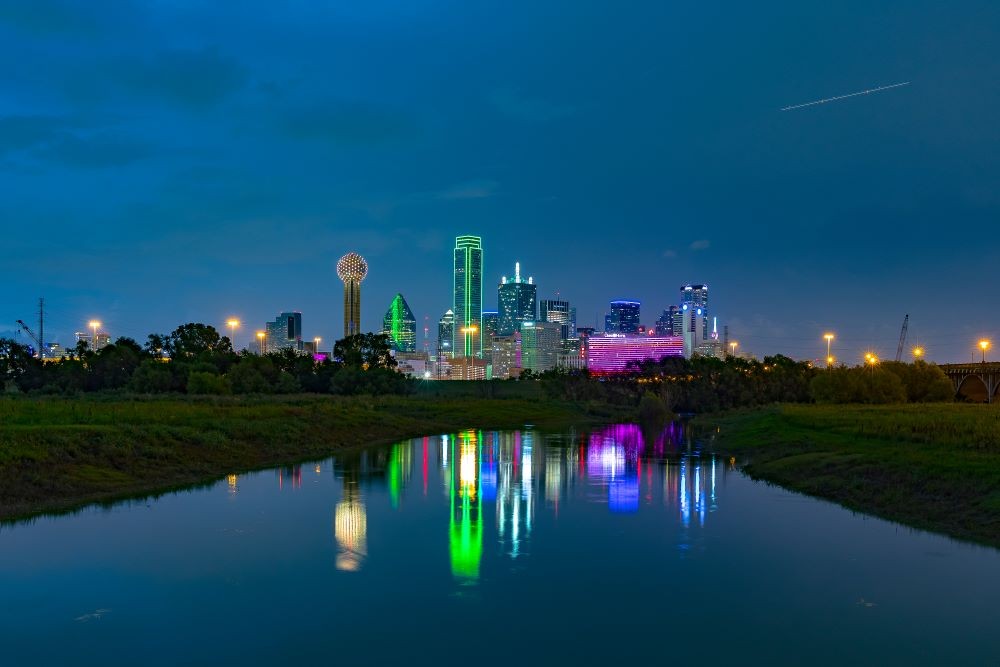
352	269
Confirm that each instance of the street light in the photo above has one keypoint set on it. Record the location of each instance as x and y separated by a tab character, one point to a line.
232	323
316	340
829	361
829	355
733	345
260	338
95	325
872	360
984	345
918	352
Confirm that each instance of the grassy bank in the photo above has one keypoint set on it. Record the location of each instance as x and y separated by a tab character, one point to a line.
934	466
57	453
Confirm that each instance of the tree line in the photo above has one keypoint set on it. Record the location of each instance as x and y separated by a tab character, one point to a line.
708	384
195	359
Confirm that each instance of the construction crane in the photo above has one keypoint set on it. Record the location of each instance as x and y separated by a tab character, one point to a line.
902	338
32	336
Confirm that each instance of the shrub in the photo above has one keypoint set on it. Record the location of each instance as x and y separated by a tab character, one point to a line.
208	383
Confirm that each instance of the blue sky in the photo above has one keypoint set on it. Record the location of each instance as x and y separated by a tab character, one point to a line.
171	161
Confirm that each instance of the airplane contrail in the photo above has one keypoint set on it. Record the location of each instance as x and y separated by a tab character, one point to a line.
844	97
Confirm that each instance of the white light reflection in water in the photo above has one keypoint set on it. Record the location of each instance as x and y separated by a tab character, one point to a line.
350	527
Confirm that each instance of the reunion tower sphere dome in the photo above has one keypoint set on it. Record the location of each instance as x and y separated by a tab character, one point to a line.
352	266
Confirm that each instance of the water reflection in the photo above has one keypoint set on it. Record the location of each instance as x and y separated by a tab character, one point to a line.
619	466
350	528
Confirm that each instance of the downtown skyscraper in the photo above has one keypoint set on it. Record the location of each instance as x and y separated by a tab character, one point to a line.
400	325
468	297
694	298
623	318
560	312
518	301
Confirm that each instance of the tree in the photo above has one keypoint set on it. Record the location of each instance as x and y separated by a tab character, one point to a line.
152	377
17	365
189	340
208	383
245	378
367	351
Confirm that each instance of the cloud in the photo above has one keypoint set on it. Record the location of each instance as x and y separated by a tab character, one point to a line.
191	78
67	141
670	254
469	190
348	123
100	150
19	133
700	244
49	16
533	110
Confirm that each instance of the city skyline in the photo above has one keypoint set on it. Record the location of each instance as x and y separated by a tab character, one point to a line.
691	294
192	166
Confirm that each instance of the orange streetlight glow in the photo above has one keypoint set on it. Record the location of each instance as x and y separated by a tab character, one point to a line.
984	345
95	325
260	337
918	352
829	355
232	323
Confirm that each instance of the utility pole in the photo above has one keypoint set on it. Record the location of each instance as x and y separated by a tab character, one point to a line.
41	328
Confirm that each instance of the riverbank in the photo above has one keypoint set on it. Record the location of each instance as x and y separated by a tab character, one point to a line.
933	466
57	454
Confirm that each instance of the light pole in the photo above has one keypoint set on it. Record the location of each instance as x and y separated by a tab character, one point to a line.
917	353
316	340
94	325
732	346
260	338
984	345
829	357
232	323
872	360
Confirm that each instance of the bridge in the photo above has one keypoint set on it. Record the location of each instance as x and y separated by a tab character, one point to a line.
975	382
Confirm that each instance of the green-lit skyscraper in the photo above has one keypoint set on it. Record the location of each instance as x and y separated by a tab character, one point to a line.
468	297
400	325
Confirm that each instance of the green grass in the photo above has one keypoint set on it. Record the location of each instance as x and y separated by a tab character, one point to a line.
57	454
934	466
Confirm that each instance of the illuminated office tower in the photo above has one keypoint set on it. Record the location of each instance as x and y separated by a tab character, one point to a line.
400	325
670	322
352	269
623	318
491	323
559	312
446	334
284	333
695	325
506	358
518	302
468	304
695	297
540	346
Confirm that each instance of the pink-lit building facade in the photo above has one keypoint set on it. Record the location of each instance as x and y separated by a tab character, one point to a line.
611	354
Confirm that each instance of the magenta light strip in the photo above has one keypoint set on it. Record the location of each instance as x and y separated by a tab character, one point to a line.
613	353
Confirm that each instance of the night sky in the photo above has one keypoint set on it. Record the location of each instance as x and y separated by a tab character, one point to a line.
163	162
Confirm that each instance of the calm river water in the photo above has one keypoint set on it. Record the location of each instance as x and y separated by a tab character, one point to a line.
493	548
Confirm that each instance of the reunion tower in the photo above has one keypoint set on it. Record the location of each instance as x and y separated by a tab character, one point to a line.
352	269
